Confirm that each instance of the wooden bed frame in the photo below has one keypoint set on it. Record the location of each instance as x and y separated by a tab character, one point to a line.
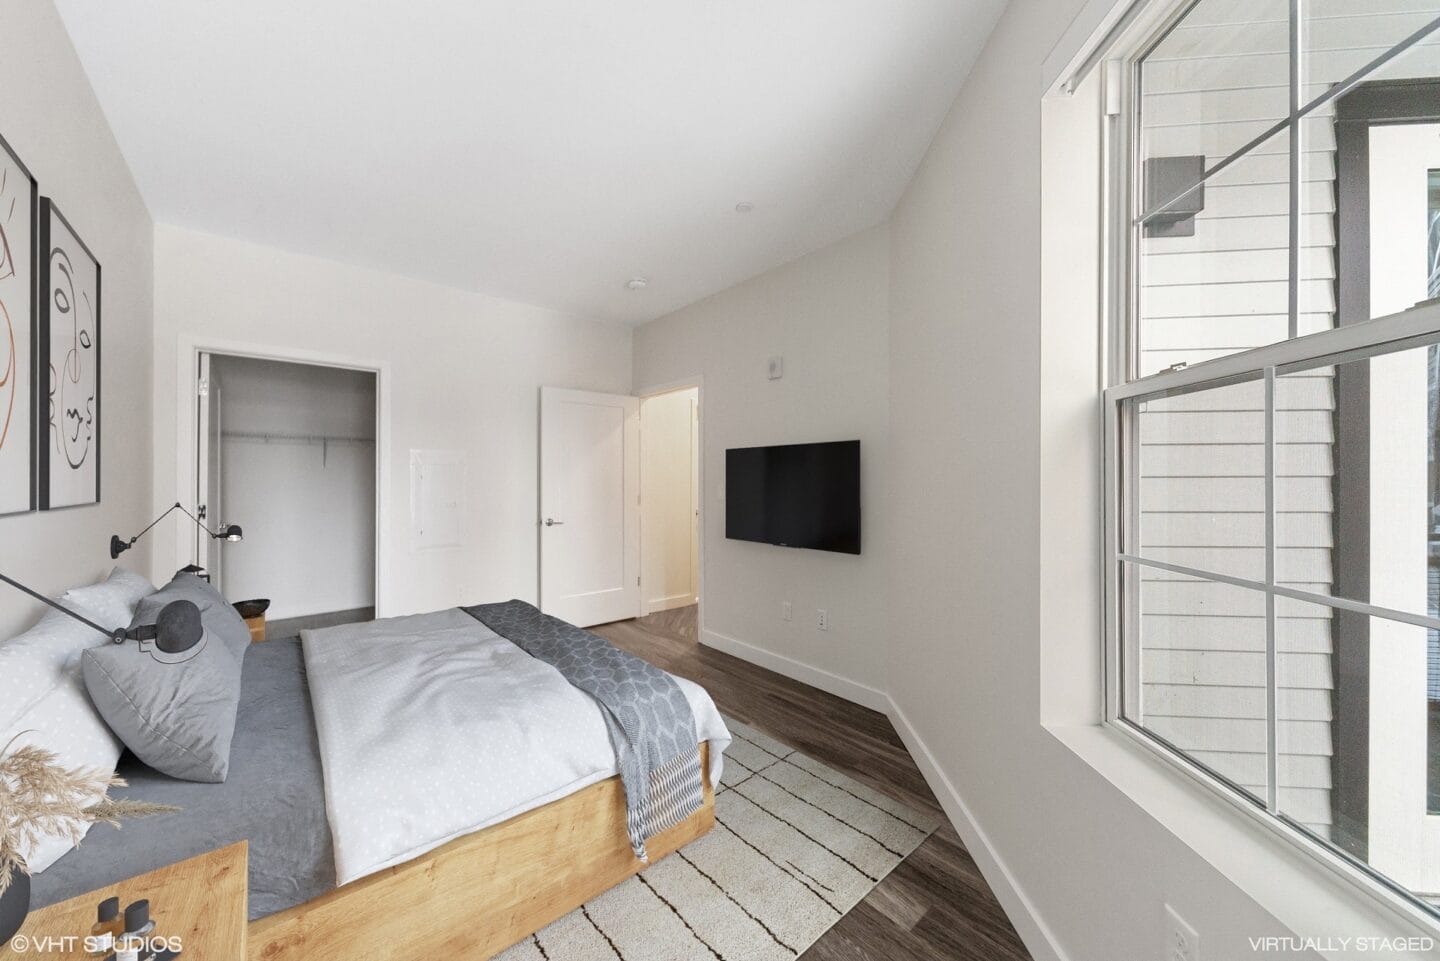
481	893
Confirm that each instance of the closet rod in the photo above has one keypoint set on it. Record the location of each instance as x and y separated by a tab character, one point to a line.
295	438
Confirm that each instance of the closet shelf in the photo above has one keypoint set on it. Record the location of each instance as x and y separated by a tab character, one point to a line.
305	439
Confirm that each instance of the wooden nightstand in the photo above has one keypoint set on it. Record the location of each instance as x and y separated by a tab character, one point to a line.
204	902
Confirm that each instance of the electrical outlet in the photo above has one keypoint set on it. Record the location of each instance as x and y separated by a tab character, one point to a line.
787	611
1182	943
822	619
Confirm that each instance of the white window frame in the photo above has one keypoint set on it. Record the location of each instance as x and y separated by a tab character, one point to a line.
1130	39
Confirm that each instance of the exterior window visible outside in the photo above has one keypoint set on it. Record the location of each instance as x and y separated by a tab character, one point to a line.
1274	436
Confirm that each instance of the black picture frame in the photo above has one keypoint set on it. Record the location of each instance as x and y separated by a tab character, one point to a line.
49	409
8	194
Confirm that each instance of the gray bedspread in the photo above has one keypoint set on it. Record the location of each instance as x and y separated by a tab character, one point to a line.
651	726
274	797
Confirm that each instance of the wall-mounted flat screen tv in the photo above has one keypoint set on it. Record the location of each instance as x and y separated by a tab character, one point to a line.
795	495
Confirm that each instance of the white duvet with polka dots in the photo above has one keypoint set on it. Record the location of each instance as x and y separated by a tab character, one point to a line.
433	726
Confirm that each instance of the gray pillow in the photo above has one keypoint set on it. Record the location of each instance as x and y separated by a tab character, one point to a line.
176	717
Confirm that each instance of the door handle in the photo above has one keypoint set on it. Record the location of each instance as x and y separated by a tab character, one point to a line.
551	522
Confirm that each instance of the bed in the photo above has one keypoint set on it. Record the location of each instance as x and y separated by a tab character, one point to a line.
274	798
480	875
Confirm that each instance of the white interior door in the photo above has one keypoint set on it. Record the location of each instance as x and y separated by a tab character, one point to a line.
213	490
206	450
589	506
695	498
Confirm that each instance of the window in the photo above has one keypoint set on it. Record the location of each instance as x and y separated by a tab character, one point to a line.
1273	419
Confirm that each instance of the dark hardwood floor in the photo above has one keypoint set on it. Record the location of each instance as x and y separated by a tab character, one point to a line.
935	904
294	625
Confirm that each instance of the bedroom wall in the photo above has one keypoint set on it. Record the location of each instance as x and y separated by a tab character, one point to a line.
464	372
50	117
825	314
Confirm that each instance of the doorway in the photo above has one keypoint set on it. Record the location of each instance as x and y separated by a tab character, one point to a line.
670	500
287	450
620	525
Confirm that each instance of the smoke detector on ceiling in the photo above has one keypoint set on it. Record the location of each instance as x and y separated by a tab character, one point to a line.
744	207
637	283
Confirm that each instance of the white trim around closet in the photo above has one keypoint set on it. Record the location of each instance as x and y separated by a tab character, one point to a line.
190	347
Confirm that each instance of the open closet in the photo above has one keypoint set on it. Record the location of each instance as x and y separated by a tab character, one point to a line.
287	450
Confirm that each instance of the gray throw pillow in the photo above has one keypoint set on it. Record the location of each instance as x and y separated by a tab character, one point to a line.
176	717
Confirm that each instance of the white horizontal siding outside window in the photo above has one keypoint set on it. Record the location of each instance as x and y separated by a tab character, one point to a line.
1271	446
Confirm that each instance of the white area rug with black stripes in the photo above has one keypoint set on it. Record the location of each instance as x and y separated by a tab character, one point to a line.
795	846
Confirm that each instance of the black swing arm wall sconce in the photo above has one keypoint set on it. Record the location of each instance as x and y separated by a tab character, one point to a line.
228	532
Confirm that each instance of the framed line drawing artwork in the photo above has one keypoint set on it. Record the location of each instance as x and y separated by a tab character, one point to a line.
19	214
69	349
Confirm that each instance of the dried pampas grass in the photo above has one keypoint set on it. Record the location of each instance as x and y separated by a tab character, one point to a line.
40	798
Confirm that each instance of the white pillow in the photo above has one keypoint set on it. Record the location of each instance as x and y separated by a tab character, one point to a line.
112	602
32	664
42	691
64	721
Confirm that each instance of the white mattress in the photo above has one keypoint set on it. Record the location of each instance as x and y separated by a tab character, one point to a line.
432	727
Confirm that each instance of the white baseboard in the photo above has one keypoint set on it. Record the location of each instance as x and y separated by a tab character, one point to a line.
658	604
853	691
1028	923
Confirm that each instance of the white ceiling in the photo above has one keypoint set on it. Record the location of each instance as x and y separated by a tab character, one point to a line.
539	150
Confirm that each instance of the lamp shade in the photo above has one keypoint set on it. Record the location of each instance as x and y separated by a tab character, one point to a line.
178	627
233	533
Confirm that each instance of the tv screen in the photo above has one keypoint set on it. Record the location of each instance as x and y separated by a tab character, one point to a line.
795	495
